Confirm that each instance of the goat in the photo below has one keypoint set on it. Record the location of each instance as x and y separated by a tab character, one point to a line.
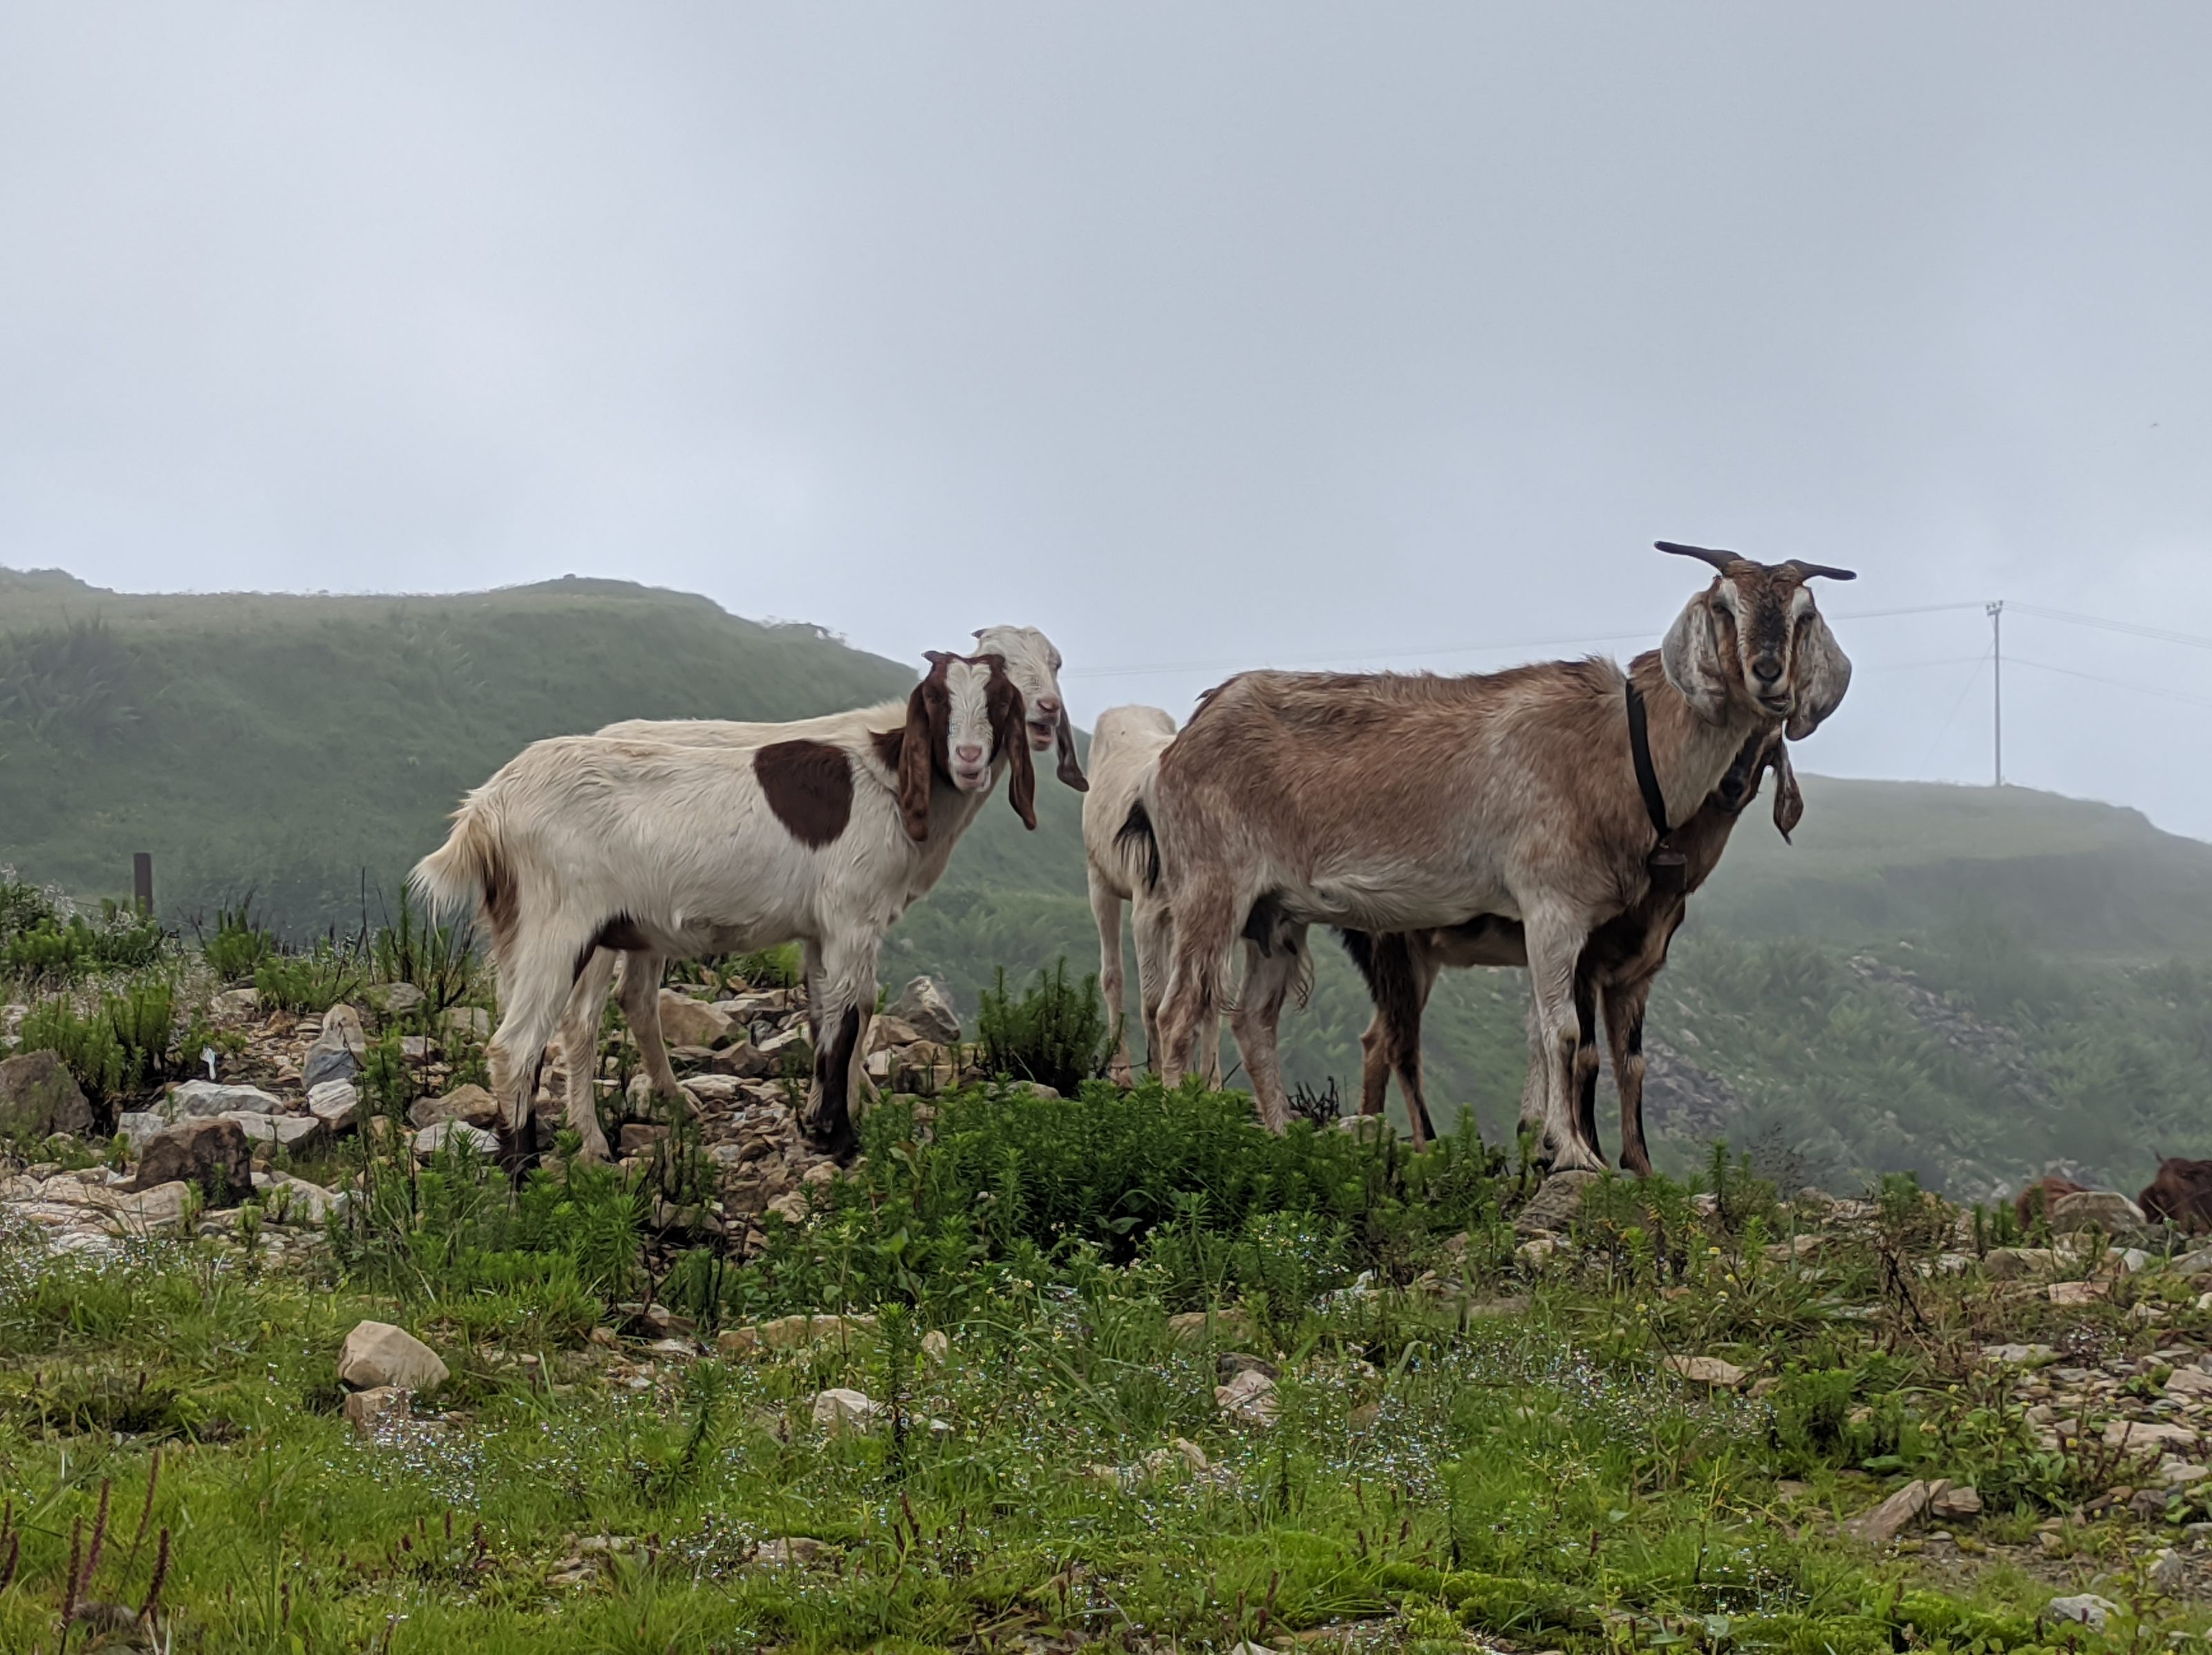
2180	1195
1032	663
1396	803
582	843
1618	966
1124	744
2043	1195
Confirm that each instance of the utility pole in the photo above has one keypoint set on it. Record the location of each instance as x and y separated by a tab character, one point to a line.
1996	611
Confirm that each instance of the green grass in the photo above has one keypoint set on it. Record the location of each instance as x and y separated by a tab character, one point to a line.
1431	1471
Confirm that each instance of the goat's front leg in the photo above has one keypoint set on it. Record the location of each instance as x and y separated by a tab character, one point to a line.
1624	1005
1555	939
640	1004
1255	1022
579	1051
841	1015
1106	910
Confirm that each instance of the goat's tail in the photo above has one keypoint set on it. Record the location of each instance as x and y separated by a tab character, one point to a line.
1137	839
472	871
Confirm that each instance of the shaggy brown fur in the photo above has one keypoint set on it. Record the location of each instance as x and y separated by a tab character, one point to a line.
2041	1196
2181	1195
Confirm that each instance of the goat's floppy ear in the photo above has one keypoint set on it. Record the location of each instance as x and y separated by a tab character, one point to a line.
1692	659
1789	799
1010	728
1071	772
1823	671
917	762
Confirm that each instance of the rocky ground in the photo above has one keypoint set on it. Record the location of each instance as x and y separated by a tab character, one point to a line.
288	1094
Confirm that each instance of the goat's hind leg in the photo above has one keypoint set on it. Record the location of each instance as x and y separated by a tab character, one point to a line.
536	977
1623	1029
1204	930
1256	1021
1555	939
1106	910
848	1002
579	1051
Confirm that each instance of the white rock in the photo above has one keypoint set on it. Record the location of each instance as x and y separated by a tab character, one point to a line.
377	1354
688	1022
2168	1573
336	1103
2138	1435
138	1125
1249	1397
790	1206
2189	1382
287	1131
927	1008
1708	1370
378	1409
233	1004
2086	1609
839	1410
431	1139
935	1345
205	1099
2018	1355
305	1202
398	998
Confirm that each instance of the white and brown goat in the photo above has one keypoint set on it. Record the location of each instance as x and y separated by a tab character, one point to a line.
1031	662
583	844
1399	803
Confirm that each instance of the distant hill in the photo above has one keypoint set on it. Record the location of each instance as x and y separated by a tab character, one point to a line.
1969	983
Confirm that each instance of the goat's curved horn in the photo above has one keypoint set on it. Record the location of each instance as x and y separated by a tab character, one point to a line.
1720	560
1807	571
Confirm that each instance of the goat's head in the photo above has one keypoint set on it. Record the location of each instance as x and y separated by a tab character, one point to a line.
1755	638
1034	664
960	720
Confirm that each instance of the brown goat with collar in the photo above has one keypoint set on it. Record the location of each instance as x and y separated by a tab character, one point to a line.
1618	965
1393	803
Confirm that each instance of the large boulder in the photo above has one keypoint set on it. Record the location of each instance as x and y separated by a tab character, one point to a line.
927	1007
2096	1209
688	1022
376	1354
336	1052
39	1097
205	1099
215	1155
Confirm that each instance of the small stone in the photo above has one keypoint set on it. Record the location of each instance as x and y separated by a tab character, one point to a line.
821	1173
39	1097
1709	1371
2138	1435
688	1022
1249	1398
336	1103
138	1125
1553	1206
790	1206
638	1138
795	1552
2085	1609
926	1007
336	1052
796	1333
1535	1252
936	1348
2169	1573
2096	1209
214	1155
1194	1327
2077	1292
1882	1525
397	999
2015	1264
2183	1474
470	1104
1230	1363
1953	1504
204	1100
303	1134
839	1410
236	1005
378	1354
380	1406
467	1023
303	1202
2018	1355
431	1139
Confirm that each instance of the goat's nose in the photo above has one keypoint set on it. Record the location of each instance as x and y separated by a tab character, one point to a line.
1047	705
969	755
1766	668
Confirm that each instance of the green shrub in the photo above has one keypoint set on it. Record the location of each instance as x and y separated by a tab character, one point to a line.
65	950
1054	1034
239	946
123	1043
435	958
311	981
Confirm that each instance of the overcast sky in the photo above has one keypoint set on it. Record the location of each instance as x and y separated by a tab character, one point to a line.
1201	336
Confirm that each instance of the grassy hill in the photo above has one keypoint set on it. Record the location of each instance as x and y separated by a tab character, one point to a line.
1968	983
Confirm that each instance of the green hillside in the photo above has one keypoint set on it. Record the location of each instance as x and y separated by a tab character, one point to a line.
1972	984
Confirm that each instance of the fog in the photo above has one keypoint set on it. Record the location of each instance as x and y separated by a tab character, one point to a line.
1202	337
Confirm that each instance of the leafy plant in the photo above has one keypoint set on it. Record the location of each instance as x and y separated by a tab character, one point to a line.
239	946
311	981
1055	1034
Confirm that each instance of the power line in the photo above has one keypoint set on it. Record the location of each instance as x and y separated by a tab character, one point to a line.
2117	683
2194	640
1951	717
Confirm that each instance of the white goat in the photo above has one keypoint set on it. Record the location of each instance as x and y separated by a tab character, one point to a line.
1391	803
1126	744
582	843
1031	662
